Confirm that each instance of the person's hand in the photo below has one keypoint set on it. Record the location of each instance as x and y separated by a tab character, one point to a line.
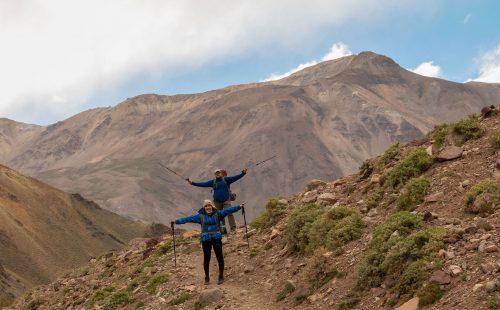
242	206
189	181
172	223
244	170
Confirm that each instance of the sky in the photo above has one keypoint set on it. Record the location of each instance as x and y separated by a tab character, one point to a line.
59	57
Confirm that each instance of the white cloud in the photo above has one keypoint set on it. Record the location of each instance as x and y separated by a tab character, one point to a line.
428	69
467	19
58	55
336	51
489	66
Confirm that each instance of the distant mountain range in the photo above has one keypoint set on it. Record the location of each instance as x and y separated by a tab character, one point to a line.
45	232
321	122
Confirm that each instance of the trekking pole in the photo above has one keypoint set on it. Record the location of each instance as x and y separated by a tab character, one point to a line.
173	238
261	162
245	220
180	176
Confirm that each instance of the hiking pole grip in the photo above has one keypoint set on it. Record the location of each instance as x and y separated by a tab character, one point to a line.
246	231
173	238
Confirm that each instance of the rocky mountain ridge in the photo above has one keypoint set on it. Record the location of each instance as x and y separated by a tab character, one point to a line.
415	228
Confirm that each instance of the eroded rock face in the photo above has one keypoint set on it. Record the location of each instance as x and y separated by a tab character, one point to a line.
411	304
450	153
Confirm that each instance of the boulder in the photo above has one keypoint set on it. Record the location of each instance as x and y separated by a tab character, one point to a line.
450	153
440	277
487	268
484	224
411	304
455	270
327	198
433	197
375	179
209	296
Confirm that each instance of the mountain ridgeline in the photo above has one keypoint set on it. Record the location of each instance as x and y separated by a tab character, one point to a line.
321	122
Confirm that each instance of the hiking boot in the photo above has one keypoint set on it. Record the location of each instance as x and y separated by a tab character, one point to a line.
207	280
221	280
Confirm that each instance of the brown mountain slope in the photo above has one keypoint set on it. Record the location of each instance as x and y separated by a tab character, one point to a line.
323	122
431	244
44	231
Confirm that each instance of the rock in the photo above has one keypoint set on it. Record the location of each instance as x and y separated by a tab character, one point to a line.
487	111
309	199
450	153
482	203
491	248
455	270
471	230
411	304
428	216
313	184
485	237
248	269
484	224
372	212
497	165
251	232
378	291
477	287
275	233
209	296
433	197
375	179
429	150
442	253
243	292
314	297
440	277
465	183
450	255
487	268
190	288
491	286
291	283
283	201
472	246
328	198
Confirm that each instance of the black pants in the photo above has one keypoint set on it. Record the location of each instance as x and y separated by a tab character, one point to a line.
207	253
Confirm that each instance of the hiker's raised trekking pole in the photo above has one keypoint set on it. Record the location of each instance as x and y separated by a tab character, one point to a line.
173	238
261	162
245	220
180	176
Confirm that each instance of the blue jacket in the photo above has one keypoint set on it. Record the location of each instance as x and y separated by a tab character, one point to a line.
221	188
209	230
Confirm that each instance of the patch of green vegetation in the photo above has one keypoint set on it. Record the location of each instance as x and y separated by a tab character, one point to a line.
34	304
398	254
486	186
413	193
494	302
116	300
429	294
199	305
252	252
349	189
273	213
318	270
299	224
467	129
299	299
348	304
387	157
6	301
495	141
289	288
156	281
179	300
64	291
140	306
374	199
439	134
101	294
412	165
163	248
334	228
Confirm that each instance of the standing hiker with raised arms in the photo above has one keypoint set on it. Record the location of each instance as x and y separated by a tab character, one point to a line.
211	236
221	191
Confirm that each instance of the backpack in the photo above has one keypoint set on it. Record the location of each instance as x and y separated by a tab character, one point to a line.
232	196
202	220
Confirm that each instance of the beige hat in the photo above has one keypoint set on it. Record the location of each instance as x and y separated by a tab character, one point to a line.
208	203
217	170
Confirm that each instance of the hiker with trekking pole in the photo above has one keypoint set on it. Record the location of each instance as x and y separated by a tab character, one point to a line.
222	195
211	237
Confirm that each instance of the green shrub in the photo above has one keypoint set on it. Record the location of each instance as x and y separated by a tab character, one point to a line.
412	165
270	217
413	193
398	259
252	252
101	294
387	157
299	299
348	304
467	129
163	248
318	271
285	291
495	141
299	224
429	294
349	189
486	186
6	301
493	302
156	281
439	134
374	199
334	228
179	300
116	300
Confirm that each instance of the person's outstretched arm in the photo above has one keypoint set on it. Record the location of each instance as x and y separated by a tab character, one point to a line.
208	183
235	178
226	211
189	219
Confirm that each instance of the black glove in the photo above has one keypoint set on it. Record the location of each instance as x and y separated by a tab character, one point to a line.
172	223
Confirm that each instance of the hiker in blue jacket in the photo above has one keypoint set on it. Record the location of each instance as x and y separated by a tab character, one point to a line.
221	192
209	218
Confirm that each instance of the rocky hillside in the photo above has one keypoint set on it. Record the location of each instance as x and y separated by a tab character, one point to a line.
44	232
417	227
322	122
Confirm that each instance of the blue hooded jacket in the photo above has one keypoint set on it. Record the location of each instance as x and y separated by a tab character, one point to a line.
209	230
221	188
